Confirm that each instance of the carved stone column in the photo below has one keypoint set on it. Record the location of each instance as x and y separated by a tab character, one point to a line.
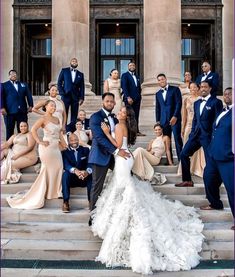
6	38
228	40
162	42
70	36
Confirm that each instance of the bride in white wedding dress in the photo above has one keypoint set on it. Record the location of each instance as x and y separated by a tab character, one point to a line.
139	227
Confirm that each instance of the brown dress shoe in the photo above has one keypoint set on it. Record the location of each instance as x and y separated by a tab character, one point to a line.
65	207
185	184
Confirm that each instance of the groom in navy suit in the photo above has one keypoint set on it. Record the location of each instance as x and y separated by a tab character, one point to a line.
211	77
206	110
131	89
77	171
102	150
168	110
15	96
220	165
71	88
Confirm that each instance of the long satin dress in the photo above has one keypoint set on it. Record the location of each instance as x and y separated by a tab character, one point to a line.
59	109
115	88
144	160
48	183
10	168
198	159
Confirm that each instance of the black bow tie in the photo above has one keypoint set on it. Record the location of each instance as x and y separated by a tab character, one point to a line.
203	100
73	70
227	108
164	89
111	114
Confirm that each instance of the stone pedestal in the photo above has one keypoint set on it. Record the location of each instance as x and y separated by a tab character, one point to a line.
228	40
70	37
162	42
6	38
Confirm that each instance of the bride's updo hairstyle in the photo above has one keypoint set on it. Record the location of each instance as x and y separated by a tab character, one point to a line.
131	125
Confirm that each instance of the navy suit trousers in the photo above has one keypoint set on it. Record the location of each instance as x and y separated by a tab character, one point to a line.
70	102
191	146
71	180
215	173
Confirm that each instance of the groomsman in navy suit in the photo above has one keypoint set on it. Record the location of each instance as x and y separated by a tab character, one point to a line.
206	110
71	88
168	110
102	150
131	89
220	165
209	76
77	171
16	103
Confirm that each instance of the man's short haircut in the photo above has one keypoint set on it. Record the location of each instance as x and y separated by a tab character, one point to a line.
228	88
107	94
161	75
208	82
12	70
131	62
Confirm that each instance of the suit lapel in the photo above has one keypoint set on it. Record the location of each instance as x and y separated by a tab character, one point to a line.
224	117
204	108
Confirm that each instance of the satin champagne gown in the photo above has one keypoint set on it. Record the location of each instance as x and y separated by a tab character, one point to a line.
144	160
48	183
10	168
115	88
198	159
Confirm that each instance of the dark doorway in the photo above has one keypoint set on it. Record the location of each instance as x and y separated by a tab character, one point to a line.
196	47
117	46
36	56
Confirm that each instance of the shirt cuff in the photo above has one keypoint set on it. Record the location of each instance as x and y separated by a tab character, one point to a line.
89	170
72	169
116	152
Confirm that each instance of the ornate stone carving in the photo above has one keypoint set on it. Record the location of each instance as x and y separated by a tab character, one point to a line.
205	2
30	2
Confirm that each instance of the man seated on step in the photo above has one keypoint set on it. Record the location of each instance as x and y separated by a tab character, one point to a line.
77	171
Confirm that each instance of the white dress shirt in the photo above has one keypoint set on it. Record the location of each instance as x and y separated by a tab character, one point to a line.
111	121
204	100
223	114
15	85
205	75
73	74
134	77
165	92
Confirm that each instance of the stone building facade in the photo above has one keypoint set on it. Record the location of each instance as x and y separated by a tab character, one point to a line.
38	37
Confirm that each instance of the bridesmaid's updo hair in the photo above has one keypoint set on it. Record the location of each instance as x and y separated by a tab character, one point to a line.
110	74
157	124
46	103
194	83
131	125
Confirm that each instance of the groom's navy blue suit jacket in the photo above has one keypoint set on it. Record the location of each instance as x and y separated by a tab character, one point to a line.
101	148
202	124
220	148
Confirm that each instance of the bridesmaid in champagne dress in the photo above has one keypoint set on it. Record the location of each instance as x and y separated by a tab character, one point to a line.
145	159
113	85
198	159
60	109
48	183
17	153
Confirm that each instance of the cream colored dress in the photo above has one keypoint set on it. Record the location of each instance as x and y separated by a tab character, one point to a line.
144	160
48	183
10	168
198	159
82	136
115	88
59	109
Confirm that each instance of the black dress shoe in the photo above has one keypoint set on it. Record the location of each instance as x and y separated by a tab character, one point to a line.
90	221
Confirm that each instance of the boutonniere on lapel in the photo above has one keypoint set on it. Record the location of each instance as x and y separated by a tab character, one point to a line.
106	120
23	85
208	108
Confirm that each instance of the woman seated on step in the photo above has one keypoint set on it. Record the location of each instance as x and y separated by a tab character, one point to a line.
82	134
17	153
144	160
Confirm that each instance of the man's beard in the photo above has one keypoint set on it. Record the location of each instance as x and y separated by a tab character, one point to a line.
74	66
108	110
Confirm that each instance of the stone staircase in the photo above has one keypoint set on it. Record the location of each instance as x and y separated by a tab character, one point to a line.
49	234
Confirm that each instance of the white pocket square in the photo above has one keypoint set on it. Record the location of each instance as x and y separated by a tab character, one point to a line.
208	108
83	158
210	78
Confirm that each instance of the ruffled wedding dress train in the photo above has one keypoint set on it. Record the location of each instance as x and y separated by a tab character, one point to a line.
141	229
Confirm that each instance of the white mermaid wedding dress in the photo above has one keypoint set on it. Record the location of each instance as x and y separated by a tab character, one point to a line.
141	229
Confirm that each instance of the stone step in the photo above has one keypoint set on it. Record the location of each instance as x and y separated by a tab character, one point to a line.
166	189
55	215
80	201
81	231
88	250
11	272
